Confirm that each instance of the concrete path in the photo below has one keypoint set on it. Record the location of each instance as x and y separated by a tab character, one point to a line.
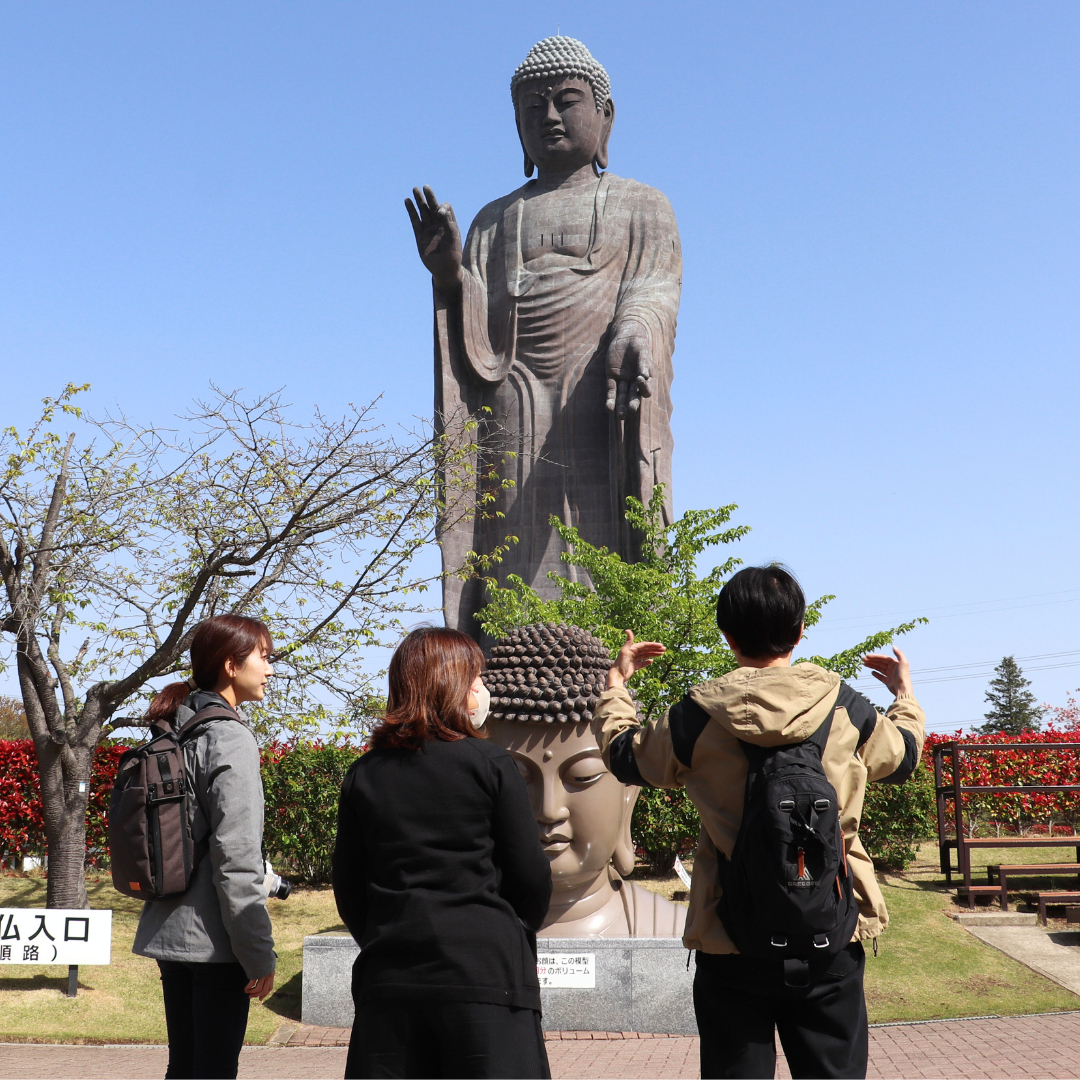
1014	1048
1055	954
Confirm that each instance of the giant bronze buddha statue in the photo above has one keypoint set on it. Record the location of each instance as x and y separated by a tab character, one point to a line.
557	319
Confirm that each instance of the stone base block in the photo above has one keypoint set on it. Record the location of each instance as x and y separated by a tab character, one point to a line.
642	984
326	995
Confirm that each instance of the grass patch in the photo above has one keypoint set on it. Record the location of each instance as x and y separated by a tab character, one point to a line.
122	1002
928	966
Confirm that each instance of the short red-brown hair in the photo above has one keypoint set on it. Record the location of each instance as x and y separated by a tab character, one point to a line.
431	673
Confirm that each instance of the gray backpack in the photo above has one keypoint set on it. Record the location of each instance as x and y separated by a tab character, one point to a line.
151	850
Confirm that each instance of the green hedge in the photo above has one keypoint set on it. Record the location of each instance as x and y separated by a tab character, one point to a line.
302	782
896	817
665	824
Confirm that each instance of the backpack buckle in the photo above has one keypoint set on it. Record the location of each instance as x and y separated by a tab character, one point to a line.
821	941
780	943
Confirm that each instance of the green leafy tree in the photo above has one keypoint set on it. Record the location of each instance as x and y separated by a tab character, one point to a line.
1013	709
661	598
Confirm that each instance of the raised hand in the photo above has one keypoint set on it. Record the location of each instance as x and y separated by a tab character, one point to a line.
438	238
895	674
629	369
632	657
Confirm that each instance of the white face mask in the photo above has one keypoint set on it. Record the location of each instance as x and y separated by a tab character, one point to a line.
480	713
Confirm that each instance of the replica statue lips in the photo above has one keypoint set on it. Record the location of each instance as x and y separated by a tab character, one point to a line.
554	844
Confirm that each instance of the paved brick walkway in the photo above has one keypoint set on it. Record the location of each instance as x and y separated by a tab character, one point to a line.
993	1049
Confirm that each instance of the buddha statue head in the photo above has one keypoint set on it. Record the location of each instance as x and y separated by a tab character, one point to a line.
544	681
562	103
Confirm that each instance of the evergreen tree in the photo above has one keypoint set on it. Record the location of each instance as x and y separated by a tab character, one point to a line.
1012	704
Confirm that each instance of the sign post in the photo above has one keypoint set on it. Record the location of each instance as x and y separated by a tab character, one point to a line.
45	936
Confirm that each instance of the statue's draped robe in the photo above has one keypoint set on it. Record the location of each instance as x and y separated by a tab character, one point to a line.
530	345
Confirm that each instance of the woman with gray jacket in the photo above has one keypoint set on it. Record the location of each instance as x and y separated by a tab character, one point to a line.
213	943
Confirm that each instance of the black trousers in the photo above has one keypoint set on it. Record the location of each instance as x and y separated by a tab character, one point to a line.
741	1001
206	1013
415	1037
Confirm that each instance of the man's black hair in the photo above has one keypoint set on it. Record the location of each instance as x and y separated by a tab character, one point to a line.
761	609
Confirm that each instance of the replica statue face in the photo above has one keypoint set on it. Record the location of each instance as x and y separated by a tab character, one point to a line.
560	126
582	811
543	682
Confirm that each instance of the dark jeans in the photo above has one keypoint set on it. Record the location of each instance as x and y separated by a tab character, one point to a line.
206	1012
739	1001
414	1037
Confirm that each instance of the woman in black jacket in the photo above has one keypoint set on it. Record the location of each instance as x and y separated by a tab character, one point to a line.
441	879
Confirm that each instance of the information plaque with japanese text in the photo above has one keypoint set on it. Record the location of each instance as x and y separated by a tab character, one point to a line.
576	970
55	936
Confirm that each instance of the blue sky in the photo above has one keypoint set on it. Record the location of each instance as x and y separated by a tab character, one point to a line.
878	342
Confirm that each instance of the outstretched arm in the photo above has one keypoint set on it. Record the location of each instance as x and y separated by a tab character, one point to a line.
637	755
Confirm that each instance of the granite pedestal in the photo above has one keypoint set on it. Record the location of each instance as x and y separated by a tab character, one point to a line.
642	984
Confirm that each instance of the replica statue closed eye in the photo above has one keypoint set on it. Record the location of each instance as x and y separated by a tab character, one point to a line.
544	681
558	317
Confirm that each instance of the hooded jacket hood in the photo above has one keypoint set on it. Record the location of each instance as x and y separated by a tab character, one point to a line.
770	706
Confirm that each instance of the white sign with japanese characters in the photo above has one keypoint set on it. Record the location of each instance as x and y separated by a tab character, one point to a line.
567	969
55	936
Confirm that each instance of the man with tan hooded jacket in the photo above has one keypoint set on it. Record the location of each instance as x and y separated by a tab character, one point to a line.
766	702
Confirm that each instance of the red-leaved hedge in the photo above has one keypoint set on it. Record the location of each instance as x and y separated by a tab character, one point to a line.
22	826
302	781
1016	813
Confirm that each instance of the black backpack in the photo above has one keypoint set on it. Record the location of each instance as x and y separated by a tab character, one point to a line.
787	892
151	850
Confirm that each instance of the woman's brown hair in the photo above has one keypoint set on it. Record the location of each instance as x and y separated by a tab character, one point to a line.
221	638
431	673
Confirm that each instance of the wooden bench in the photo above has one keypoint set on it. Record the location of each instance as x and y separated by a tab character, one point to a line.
969	892
951	819
1055	899
999	875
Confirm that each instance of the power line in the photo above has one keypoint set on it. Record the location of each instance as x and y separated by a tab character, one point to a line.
843	623
987	668
994	663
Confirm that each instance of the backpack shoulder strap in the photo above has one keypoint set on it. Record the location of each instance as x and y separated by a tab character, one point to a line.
198	723
821	736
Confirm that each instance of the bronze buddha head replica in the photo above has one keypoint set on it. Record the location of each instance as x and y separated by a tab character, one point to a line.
544	681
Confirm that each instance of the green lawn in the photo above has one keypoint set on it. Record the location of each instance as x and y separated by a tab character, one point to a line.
928	966
122	1002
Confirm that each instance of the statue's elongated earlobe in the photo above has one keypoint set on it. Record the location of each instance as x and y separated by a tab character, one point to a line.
529	166
622	857
601	159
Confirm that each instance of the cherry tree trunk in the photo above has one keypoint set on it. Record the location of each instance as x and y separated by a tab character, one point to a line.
65	792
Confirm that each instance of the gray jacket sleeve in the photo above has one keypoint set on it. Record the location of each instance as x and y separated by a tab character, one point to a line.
234	806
